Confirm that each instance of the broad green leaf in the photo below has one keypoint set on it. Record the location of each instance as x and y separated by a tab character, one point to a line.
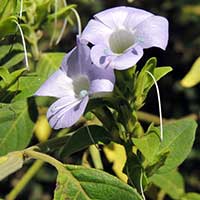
83	138
16	59
171	183
15	127
193	76
10	163
88	184
49	63
172	151
191	196
63	12
178	138
27	86
8	26
149	146
5	49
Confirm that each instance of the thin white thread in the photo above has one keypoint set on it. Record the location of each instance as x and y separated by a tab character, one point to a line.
63	27
21	9
141	187
24	45
159	105
90	135
78	21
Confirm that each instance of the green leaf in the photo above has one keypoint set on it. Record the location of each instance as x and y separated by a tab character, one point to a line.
14	60
159	72
178	139
172	151
9	78
8	8
191	196
8	26
83	138
134	170
5	49
10	163
171	183
192	78
49	63
63	12
88	184
23	86
15	127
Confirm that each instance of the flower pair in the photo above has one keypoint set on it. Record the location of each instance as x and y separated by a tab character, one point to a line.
118	36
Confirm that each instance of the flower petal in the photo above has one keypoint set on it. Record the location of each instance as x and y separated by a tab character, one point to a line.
128	58
122	16
77	61
66	111
104	58
152	32
101	56
57	85
101	80
96	32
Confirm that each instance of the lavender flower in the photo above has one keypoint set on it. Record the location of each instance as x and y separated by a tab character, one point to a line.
73	84
120	34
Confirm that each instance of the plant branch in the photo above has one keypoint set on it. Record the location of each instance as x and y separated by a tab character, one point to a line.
25	179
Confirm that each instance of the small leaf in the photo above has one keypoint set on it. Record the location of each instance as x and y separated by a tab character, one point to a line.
191	196
10	163
63	12
8	26
15	127
82	139
14	60
171	183
192	78
5	49
116	154
88	184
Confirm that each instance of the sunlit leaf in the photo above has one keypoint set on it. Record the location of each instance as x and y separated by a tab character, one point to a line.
193	76
10	163
116	154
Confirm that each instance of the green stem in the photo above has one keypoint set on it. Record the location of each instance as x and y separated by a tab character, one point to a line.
96	157
143	116
25	179
30	153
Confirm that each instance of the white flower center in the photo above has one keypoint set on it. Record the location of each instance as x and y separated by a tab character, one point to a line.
81	85
120	40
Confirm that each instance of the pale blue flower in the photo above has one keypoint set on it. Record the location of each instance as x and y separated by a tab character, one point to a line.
120	34
73	84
